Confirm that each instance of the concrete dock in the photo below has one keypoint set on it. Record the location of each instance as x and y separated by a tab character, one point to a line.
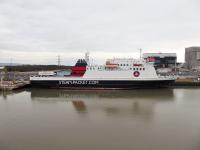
187	82
10	85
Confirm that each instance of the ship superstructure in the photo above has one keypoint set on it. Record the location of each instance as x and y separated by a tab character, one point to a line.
117	73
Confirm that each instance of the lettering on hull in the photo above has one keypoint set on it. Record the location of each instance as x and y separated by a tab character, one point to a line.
79	82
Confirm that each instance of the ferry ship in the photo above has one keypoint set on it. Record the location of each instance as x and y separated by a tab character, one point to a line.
116	73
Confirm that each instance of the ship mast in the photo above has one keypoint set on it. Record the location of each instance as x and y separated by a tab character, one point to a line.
87	58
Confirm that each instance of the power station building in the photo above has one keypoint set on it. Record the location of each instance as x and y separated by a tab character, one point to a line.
192	57
161	60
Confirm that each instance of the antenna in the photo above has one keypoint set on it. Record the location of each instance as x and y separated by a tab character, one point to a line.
58	60
140	53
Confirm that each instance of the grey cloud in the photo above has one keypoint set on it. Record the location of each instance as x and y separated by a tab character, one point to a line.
98	25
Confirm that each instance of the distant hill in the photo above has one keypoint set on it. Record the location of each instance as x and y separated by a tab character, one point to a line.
9	64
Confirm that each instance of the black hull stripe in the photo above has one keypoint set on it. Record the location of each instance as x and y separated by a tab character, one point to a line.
101	84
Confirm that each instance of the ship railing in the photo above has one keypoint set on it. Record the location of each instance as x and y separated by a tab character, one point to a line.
43	76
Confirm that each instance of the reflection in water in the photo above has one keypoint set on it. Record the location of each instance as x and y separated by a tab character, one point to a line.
6	93
112	103
164	94
39	119
79	106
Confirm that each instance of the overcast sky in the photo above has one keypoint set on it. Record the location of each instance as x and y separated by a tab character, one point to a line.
36	31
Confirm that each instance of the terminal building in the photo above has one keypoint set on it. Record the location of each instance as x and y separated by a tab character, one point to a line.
161	60
192	57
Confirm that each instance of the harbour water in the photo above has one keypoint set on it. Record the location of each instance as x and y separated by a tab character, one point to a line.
39	119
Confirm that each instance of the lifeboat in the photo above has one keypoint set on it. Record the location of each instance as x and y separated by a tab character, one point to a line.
137	65
111	65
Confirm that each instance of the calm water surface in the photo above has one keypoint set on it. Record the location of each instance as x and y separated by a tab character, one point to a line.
100	120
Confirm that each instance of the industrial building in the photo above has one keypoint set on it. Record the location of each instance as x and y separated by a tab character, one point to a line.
1	68
161	60
192	57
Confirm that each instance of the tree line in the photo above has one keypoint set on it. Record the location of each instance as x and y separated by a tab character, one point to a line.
30	68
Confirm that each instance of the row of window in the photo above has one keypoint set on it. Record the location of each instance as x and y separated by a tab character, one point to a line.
123	64
126	64
92	68
137	68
